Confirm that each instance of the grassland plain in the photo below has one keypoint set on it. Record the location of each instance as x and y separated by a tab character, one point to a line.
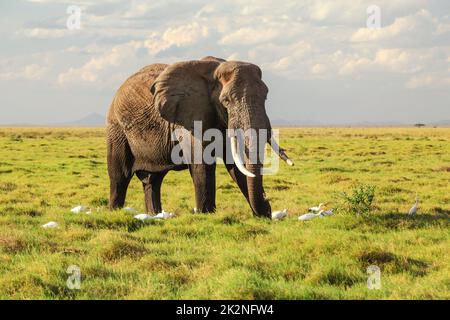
230	254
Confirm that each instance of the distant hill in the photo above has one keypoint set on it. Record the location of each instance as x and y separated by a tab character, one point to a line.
279	122
91	120
441	123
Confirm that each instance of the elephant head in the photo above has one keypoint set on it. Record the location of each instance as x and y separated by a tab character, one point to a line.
226	94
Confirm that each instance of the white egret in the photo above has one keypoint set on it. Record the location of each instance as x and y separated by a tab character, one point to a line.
164	215
50	225
324	213
277	215
311	215
143	216
161	215
321	206
308	216
414	208
78	209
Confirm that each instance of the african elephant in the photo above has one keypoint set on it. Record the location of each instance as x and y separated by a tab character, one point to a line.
160	98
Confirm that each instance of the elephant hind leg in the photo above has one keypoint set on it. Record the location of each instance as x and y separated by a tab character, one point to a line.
152	189
120	163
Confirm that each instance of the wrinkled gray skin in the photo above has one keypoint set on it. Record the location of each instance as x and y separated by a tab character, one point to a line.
159	98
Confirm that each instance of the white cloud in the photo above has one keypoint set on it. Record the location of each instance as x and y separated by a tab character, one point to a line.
28	72
415	28
315	45
44	33
249	36
403	61
351	66
313	39
396	60
318	69
428	80
90	71
185	34
98	68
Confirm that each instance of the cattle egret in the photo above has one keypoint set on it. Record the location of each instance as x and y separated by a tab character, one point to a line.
308	216
50	225
143	216
321	206
324	213
78	209
164	215
277	215
161	215
311	215
414	208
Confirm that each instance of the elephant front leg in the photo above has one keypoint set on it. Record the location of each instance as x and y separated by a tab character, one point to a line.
204	178
239	178
151	183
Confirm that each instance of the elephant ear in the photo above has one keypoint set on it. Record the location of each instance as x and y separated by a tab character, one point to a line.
181	93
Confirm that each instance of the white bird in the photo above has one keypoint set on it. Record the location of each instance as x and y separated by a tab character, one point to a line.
414	208
161	215
321	206
324	213
277	215
78	209
164	215
143	216
308	216
50	225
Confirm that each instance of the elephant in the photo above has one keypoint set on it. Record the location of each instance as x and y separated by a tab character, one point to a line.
160	98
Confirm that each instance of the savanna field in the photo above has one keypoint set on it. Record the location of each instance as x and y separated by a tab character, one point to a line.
229	254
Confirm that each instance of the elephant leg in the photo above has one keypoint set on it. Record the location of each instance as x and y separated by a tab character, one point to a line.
239	178
120	162
204	178
152	189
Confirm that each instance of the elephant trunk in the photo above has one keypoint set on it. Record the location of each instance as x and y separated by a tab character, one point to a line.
256	194
251	117
254	162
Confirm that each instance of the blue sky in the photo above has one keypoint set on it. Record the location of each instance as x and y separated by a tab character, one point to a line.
319	59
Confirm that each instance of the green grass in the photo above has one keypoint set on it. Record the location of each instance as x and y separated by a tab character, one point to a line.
230	254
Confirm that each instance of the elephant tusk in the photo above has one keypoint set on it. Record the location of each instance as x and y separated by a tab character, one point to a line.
237	159
280	151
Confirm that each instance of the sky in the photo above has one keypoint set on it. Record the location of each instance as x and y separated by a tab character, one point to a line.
323	60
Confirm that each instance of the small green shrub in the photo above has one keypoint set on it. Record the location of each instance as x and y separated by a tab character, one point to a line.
360	201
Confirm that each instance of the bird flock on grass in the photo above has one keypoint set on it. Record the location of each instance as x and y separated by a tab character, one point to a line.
320	210
315	212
